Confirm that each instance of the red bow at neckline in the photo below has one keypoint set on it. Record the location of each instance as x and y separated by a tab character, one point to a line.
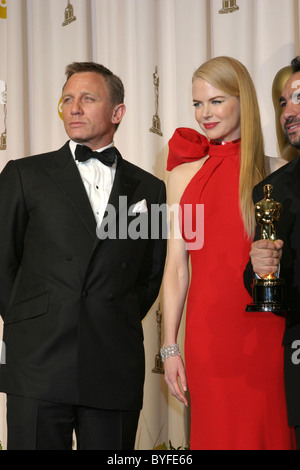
188	145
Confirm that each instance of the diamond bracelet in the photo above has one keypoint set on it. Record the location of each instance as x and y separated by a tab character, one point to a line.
169	351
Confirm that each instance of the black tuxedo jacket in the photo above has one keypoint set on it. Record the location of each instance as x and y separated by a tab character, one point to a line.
286	190
72	304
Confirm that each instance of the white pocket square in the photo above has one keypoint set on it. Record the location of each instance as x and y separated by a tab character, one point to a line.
140	206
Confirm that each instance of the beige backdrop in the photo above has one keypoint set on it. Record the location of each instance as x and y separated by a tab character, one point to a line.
154	46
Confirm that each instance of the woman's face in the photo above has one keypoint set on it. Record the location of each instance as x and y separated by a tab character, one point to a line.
217	113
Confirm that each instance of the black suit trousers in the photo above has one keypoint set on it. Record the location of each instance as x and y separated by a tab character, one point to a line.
39	425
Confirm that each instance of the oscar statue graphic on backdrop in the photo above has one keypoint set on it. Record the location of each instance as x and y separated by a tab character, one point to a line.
3	9
69	14
59	109
158	368
229	6
268	292
3	103
156	127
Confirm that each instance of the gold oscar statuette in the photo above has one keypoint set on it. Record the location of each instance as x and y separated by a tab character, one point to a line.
158	367
268	292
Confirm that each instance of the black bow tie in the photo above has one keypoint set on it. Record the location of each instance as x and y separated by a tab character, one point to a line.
107	156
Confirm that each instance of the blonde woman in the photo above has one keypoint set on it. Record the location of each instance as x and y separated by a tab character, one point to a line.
233	359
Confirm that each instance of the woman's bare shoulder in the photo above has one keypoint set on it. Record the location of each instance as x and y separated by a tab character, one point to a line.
180	176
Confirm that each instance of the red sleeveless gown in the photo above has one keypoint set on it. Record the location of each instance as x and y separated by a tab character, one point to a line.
234	359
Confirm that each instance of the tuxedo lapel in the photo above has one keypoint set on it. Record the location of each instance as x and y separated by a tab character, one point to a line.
64	172
124	184
119	200
292	171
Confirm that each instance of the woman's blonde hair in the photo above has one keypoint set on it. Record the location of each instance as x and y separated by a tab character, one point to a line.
232	77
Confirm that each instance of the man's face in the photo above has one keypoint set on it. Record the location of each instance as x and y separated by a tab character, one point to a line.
290	104
88	115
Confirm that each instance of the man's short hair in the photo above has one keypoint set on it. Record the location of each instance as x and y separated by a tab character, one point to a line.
295	64
114	83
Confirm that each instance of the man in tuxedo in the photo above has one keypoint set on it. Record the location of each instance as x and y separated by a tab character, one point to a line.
75	284
284	254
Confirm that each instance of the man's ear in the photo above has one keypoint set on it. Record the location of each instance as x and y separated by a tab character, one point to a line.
118	113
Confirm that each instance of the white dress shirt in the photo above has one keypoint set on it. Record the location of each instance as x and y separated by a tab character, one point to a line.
97	179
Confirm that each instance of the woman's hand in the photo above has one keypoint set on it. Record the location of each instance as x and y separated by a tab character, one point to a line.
175	373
